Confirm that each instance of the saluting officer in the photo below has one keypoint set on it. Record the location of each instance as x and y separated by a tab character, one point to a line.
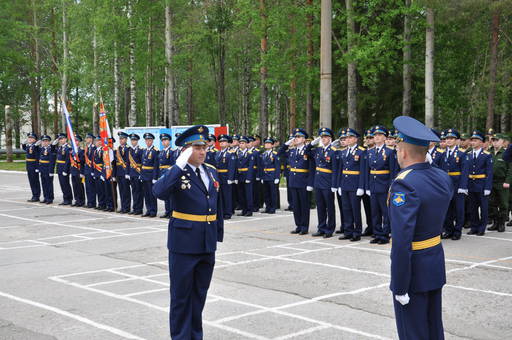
63	167
31	148
77	174
453	162
418	200
211	150
270	173
90	186
324	182
382	168
479	183
337	166
135	157
47	159
123	172
226	168
195	228
369	144
149	174
165	162
256	184
246	176
98	170
351	184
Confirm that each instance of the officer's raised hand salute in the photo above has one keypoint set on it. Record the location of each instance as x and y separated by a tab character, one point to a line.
195	228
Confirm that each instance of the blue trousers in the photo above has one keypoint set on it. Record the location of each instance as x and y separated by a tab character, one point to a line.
226	193
137	195
478	200
100	191
78	189
300	205
454	220
380	218
67	194
124	193
190	276
270	196
368	212
149	197
289	193
340	208
33	180
90	189
245	196
109	198
421	318
325	210
47	184
353	224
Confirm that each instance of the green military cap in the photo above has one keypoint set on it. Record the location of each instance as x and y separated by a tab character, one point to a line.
502	136
464	136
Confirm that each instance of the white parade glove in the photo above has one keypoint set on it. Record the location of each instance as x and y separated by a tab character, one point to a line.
261	181
55	142
276	181
462	191
247	181
37	170
113	179
336	143
487	192
127	176
82	176
428	158
154	181
230	182
289	142
334	189
308	188
51	175
403	299
340	191
38	143
182	160
360	192
368	192
236	181
316	141
102	178
257	179
64	173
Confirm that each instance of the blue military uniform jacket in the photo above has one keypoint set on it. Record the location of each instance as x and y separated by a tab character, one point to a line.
226	165
418	201
149	161
197	223
98	162
257	163
32	156
437	154
480	171
245	165
269	166
301	166
165	160
324	176
134	158
382	168
47	159
88	159
211	153
455	164
351	169
63	165
122	154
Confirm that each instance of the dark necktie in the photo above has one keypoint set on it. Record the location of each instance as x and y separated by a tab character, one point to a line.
198	173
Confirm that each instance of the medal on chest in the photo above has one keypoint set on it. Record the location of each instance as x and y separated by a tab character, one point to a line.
185	183
356	158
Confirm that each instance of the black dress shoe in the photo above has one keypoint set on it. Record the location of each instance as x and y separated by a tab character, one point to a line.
145	215
249	214
164	216
456	237
152	215
137	213
493	228
227	217
381	241
472	232
294	232
49	202
79	205
271	212
344	237
374	241
367	232
446	235
303	233
481	233
327	236
355	239
318	233
509	223
109	209
131	213
338	232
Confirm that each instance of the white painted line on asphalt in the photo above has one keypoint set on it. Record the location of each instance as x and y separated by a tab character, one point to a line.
303	332
147	292
79	318
492	238
486	291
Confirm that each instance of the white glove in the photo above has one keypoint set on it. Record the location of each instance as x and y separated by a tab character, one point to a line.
102	178
182	160
308	188
368	192
336	143
487	192
276	181
290	141
38	143
340	191
55	142
236	181
64	173
403	299
462	191
113	179
154	181
82	176
316	141
230	182
428	158
261	181
51	175
127	176
247	181
37	170
334	189
360	192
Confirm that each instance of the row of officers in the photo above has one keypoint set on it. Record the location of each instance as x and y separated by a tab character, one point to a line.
341	170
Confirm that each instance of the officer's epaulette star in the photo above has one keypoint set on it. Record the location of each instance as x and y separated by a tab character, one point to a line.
361	148
403	174
274	152
211	166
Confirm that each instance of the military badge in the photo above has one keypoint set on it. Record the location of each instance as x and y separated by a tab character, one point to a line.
398	199
150	155
356	158
30	150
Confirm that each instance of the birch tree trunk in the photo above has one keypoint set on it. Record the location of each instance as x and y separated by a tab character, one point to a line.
429	69
353	120
495	27
263	72
172	97
132	116
326	64
407	71
149	78
309	93
117	99
8	133
95	118
36	78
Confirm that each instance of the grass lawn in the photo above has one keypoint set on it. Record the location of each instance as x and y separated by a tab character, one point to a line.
20	166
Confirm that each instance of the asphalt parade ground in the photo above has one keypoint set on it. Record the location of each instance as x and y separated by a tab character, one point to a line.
76	273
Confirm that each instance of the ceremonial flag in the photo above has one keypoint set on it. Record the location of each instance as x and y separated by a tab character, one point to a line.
69	131
106	141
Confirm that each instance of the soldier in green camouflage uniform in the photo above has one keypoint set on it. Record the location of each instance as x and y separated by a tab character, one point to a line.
502	178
